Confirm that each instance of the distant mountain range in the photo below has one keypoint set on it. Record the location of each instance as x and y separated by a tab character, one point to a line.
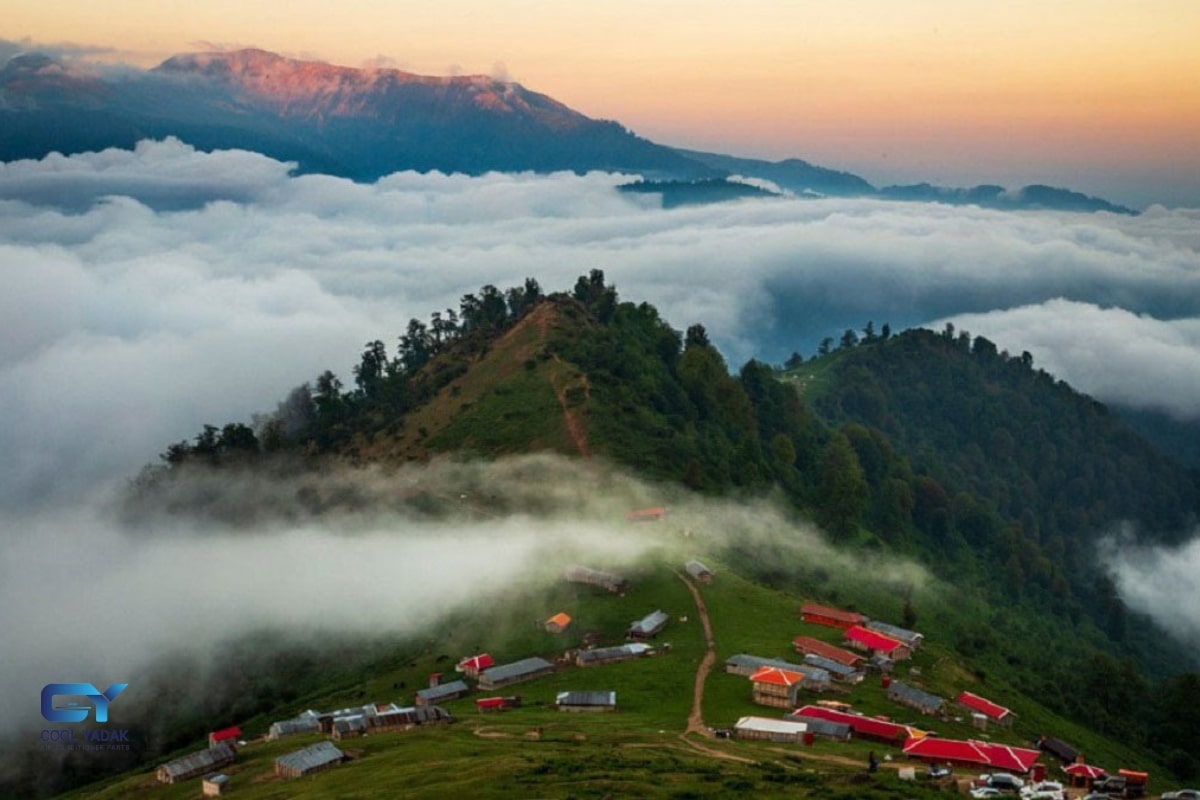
366	123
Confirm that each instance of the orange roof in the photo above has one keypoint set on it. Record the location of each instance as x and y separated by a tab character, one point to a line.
646	514
807	644
873	639
776	676
828	612
560	619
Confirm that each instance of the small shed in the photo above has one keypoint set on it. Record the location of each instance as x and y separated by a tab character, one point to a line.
196	764
649	626
586	701
558	623
230	735
214	785
489	704
698	571
314	758
473	665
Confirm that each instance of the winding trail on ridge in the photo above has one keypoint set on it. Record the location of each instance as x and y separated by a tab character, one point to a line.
696	718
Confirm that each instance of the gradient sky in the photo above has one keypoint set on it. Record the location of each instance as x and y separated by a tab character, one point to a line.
1100	95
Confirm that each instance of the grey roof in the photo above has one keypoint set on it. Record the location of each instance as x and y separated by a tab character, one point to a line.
915	696
289	727
601	654
829	665
345	725
696	568
312	757
577	572
757	662
895	631
586	699
814	674
651	623
411	716
1059	748
195	763
517	669
823	727
445	690
217	778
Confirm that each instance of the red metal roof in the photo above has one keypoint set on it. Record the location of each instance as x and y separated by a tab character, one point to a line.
985	754
225	734
776	676
873	640
479	662
828	612
807	644
1085	771
489	702
866	726
983	706
646	514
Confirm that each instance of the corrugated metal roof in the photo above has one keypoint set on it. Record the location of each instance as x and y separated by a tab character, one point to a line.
290	727
873	639
194	763
829	665
443	690
758	662
586	699
770	725
610	653
823	727
916	696
517	669
651	623
312	757
344	725
895	631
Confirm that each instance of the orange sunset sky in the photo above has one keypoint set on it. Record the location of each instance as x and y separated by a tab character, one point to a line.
1099	95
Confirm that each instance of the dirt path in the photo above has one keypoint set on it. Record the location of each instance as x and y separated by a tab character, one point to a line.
575	428
696	718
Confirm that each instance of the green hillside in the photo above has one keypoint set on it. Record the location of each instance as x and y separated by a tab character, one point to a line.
956	488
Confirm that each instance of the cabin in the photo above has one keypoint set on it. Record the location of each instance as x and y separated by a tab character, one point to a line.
473	665
874	728
308	722
831	617
910	638
838	731
441	693
992	712
403	719
230	735
558	623
196	764
648	626
494	704
214	785
770	730
657	514
611	655
586	701
312	759
698	571
806	645
507	674
1058	748
746	664
838	672
983	756
776	687
913	697
876	644
607	581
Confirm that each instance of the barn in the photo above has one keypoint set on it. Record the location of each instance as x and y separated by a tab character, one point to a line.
992	711
608	581
770	730
839	731
807	645
876	644
196	764
839	672
314	758
308	722
913	697
880	730
506	674
973	754
648	626
586	701
611	655
831	617
441	693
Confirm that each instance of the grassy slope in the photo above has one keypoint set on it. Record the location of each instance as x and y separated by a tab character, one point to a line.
637	751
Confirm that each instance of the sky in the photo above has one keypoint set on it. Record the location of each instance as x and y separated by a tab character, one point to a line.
1097	95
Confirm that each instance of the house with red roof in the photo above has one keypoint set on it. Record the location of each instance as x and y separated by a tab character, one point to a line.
473	665
657	514
833	617
876	643
979	705
973	754
807	645
227	735
880	730
490	704
776	687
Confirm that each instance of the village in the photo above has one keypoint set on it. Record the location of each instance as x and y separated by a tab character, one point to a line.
840	659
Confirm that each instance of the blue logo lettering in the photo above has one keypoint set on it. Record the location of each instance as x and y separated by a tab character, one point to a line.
73	713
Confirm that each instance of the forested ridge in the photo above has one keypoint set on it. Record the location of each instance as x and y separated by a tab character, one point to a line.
927	445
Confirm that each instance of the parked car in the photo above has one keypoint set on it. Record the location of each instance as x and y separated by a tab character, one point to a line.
939	771
1044	790
983	792
1182	794
1002	781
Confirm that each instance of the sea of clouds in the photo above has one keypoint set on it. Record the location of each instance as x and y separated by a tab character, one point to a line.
148	292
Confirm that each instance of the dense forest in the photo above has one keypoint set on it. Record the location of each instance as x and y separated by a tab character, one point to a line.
923	444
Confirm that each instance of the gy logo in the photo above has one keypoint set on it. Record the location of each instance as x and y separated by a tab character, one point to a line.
99	699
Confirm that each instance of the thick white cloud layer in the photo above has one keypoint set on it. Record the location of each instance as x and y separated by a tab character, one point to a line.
149	292
1161	582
